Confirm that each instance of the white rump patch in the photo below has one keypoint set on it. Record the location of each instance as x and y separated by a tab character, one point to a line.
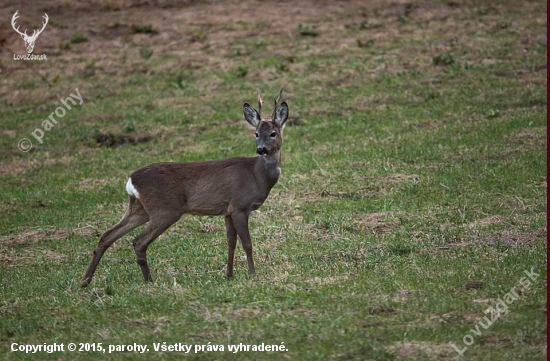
132	191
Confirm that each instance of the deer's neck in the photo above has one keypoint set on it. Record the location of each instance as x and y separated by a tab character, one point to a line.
268	168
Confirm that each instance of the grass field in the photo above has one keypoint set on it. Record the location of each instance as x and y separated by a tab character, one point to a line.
412	197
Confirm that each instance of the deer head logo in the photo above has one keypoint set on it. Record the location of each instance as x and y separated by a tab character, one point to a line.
29	40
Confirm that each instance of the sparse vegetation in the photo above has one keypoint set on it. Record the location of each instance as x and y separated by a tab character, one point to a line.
198	37
79	38
412	194
443	59
242	71
365	43
282	66
65	45
145	52
89	70
144	29
306	30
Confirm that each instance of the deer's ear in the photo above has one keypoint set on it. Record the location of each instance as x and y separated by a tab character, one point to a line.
251	115
281	114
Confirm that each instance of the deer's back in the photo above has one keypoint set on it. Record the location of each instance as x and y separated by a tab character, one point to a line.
208	188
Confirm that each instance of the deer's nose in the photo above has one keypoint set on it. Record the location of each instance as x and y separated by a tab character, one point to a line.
261	150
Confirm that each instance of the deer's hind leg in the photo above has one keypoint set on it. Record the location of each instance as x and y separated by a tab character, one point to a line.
134	217
159	223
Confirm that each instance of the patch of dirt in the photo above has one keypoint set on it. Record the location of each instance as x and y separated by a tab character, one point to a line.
353	195
474	285
20	166
321	233
211	227
454	317
524	140
91	183
14	257
421	350
379	222
511	238
38	235
294	121
34	236
401	296
533	137
521	71
515	239
13	167
64	160
390	182
381	309
484	222
158	325
9	133
229	314
326	280
492	340
115	140
435	320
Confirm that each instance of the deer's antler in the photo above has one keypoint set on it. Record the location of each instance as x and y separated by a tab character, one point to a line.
276	99
260	102
279	96
15	16
37	32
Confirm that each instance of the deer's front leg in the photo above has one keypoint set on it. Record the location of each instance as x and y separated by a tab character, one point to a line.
240	221
231	243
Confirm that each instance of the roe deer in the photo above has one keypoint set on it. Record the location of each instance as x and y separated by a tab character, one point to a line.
161	193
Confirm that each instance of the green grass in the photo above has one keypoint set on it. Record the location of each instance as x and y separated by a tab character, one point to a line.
403	180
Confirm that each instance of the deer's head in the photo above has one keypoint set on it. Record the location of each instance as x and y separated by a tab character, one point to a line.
29	39
269	129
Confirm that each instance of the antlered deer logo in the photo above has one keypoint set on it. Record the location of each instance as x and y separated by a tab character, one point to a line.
29	40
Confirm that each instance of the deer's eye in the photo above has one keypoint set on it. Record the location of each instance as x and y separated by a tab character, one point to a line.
256	134
273	134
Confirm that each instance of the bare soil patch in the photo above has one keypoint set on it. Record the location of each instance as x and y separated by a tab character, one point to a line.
91	183
421	350
515	239
530	137
13	167
381	309
402	296
38	235
488	221
12	257
112	140
20	166
379	222
506	237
